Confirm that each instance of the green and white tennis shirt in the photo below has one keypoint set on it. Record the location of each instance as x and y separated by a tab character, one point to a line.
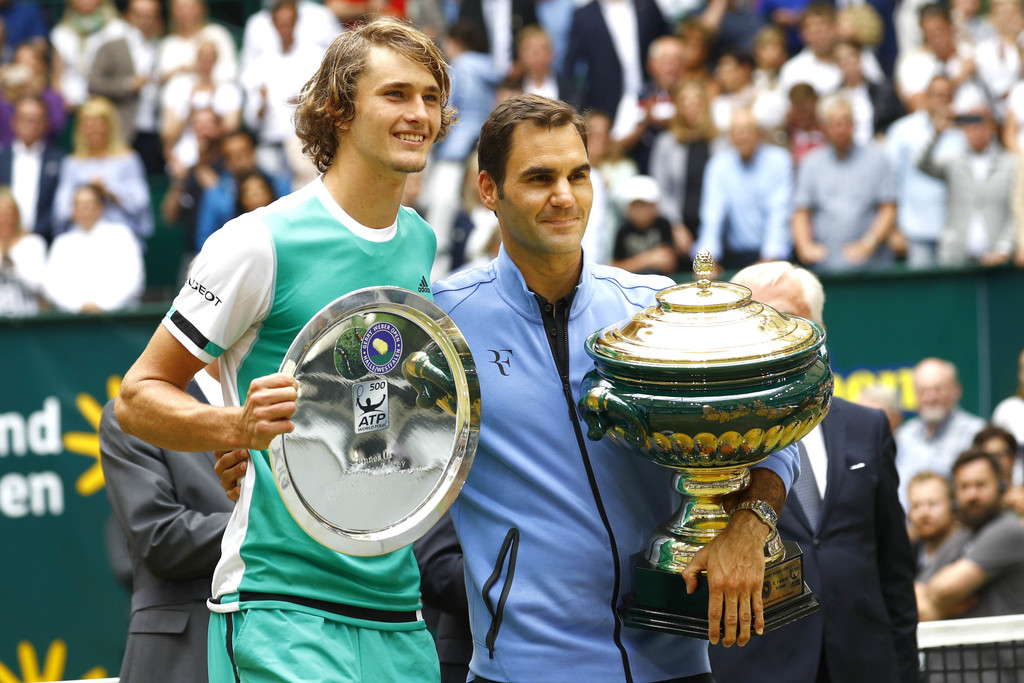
256	283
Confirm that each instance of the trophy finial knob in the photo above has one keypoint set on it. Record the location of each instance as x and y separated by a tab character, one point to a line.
703	266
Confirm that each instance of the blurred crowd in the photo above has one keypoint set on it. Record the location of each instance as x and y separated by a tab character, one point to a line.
962	485
840	137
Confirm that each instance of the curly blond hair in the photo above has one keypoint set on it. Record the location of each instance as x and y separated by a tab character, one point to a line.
328	98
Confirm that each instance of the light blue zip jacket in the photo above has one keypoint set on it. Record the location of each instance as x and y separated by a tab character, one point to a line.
532	526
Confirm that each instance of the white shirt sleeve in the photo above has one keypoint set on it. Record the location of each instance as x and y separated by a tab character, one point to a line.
58	288
227	99
228	291
176	95
29	257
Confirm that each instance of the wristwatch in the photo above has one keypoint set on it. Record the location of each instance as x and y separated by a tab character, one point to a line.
764	511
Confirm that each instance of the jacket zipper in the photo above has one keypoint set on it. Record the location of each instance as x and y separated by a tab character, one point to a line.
559	334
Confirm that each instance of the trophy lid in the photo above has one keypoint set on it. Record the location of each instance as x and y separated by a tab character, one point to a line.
707	327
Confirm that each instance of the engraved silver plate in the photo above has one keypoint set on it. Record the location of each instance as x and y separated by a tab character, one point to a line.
386	422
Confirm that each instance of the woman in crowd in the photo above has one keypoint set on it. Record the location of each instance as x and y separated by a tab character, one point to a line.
97	265
254	191
189	92
678	159
72	49
101	156
190	30
22	261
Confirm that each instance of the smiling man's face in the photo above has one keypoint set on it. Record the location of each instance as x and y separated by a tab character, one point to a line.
397	114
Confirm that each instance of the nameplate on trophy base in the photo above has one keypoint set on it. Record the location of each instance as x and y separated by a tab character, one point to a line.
660	601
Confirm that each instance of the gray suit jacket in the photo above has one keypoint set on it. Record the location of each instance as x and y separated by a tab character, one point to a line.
965	195
173	512
111	70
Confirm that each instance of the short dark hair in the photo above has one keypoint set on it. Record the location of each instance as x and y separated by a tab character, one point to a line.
823	10
971	455
803	92
495	144
328	98
741	57
469	35
991	431
239	133
934	9
246	177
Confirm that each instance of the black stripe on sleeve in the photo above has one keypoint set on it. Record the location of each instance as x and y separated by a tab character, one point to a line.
189	330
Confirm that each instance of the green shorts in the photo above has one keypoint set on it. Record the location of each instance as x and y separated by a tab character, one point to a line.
284	646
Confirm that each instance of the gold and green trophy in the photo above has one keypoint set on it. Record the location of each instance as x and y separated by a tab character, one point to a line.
707	382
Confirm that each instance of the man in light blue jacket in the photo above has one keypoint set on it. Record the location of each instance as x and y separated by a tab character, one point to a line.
548	520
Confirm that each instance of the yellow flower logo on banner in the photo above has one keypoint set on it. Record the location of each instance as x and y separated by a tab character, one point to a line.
53	666
88	443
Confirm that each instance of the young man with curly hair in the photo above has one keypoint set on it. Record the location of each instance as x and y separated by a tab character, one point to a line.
285	607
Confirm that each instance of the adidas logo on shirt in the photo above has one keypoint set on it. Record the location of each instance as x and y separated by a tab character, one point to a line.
424	286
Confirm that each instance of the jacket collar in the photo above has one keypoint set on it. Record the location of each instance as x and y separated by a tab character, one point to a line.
514	291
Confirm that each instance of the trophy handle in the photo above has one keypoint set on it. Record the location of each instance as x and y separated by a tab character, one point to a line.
433	385
603	410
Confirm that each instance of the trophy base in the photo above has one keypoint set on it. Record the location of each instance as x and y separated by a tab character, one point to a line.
661	603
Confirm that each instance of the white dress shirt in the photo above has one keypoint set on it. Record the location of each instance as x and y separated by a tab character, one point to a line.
620	17
144	54
283	75
26	169
498	16
315	25
21	276
103	266
545	88
814	444
824	77
915	71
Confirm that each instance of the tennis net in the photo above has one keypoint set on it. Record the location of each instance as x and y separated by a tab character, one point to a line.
985	650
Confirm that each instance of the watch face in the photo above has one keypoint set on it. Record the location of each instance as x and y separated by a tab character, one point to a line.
768	512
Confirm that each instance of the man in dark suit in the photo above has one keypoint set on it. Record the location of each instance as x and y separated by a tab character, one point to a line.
592	59
31	167
173	511
445	605
856	554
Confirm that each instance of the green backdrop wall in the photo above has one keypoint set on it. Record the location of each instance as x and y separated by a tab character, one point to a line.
63	613
65	616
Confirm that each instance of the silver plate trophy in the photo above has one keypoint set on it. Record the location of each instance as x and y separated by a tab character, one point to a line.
386	422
